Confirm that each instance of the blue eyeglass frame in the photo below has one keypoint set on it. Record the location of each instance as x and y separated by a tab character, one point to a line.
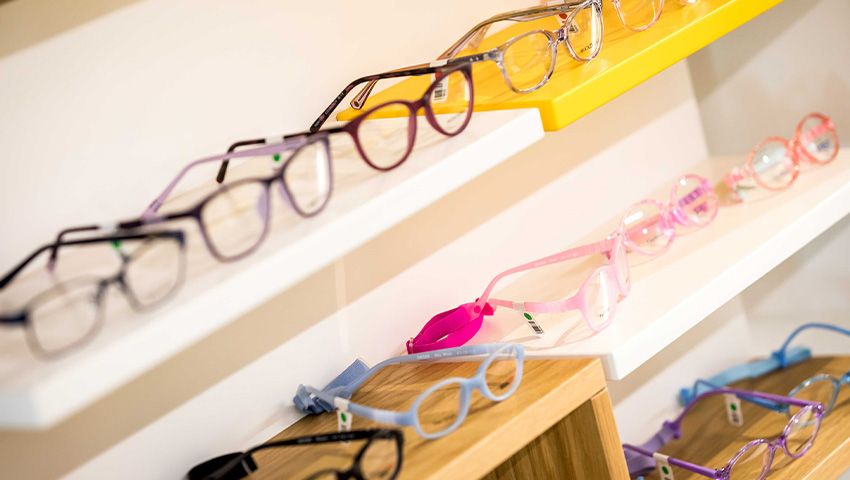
338	397
779	359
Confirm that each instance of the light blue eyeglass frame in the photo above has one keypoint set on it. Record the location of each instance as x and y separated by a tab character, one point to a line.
778	360
339	396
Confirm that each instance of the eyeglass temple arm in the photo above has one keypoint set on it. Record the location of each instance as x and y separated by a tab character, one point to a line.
577	252
465	351
747	395
473	38
336	398
222	171
54	247
421	69
782	355
745	371
150	212
15	271
705	471
319	439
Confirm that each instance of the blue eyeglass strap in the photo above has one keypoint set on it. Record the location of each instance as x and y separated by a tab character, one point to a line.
747	370
785	358
312	404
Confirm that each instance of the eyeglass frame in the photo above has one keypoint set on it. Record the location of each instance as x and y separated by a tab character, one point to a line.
339	396
457	326
21	317
226	470
463	66
671	430
794	150
497	54
778	360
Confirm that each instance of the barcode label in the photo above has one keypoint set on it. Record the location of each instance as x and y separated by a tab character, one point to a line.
441	90
533	324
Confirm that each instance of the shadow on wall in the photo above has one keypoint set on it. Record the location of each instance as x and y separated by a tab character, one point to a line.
24	23
762	78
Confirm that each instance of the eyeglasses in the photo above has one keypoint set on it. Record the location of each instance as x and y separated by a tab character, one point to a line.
648	228
527	61
447	105
379	459
775	162
820	388
753	460
234	220
67	315
441	408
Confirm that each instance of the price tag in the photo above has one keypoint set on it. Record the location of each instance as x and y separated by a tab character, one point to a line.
664	470
733	410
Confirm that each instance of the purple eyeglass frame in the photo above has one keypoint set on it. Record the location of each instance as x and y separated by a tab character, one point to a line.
293	143
641	461
462	65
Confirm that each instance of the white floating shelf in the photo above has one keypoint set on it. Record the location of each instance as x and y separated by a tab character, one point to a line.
701	271
36	394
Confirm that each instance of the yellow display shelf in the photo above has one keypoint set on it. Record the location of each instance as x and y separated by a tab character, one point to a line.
626	59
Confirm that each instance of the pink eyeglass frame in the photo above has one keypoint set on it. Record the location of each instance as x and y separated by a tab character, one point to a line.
578	301
457	326
795	150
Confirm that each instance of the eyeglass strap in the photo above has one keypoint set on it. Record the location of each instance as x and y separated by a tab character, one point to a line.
640	464
308	403
451	328
747	370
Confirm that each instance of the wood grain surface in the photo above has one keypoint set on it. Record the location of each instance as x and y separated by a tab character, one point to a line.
709	440
537	413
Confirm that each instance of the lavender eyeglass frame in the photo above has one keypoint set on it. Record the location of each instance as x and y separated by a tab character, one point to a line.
22	316
640	459
149	217
463	65
294	143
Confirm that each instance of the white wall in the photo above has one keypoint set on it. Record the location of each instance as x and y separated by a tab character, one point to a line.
97	119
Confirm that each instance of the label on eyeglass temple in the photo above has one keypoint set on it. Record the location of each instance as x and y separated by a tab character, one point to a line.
733	409
441	90
664	470
343	423
533	324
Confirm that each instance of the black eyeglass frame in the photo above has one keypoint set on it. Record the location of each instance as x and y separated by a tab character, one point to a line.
226	467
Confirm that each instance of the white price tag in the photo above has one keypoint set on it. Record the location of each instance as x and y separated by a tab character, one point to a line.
733	410
664	470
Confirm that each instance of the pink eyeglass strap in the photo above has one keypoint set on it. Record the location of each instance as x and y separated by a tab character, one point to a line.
455	327
452	328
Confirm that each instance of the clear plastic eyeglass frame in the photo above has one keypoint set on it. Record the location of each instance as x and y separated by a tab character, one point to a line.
778	360
762	169
641	459
339	396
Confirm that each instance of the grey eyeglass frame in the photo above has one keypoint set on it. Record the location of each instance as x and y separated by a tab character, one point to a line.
474	37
